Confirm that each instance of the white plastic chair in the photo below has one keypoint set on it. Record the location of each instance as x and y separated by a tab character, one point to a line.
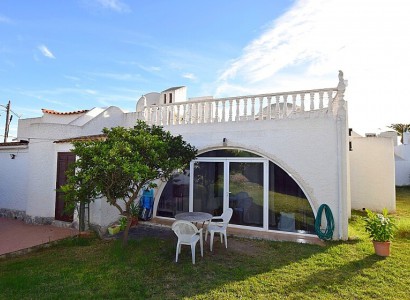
187	234
215	227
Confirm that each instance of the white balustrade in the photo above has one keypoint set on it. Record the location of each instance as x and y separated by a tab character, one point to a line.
244	108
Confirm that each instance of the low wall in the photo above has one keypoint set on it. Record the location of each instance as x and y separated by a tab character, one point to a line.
372	173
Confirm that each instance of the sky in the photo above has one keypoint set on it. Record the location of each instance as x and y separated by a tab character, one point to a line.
79	54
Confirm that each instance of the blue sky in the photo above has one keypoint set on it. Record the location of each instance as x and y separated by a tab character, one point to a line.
79	54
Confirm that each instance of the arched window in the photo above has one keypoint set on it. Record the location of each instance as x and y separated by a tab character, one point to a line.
245	182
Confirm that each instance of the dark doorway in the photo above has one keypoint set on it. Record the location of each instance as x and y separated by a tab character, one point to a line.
64	159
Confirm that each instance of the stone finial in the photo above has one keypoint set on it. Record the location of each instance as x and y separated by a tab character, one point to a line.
341	86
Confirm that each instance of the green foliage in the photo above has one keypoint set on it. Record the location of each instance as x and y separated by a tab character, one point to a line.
134	209
380	227
123	223
124	162
400	129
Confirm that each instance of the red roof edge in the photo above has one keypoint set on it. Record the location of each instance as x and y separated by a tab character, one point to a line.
53	112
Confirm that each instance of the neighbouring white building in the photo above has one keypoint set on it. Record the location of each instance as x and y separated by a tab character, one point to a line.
402	158
274	158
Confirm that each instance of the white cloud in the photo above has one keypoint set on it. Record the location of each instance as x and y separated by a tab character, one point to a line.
189	76
307	46
46	52
115	5
4	19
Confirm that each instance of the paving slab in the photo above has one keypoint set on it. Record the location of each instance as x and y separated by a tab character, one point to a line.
15	235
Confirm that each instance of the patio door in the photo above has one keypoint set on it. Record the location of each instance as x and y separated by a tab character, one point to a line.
239	183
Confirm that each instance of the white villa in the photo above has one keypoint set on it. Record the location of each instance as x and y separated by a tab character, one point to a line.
274	158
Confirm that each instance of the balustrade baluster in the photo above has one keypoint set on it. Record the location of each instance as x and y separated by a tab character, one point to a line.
172	115
312	101
160	114
210	110
203	112
253	108
230	110
184	115
285	106
223	110
277	107
216	111
260	108
302	102
269	108
330	100
294	103
238	101
198	113
178	113
245	108
321	99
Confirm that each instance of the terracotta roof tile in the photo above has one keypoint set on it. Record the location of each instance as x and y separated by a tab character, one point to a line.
82	138
11	144
53	112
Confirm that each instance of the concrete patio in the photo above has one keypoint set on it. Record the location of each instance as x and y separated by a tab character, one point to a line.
18	237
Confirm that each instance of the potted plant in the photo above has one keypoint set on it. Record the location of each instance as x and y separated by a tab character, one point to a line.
381	230
114	229
134	211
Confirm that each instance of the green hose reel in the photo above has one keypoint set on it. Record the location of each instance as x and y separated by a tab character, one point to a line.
327	234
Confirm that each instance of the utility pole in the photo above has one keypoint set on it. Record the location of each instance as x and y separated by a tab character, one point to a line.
6	128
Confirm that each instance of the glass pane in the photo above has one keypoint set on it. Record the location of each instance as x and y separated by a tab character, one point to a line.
246	193
289	209
175	196
208	187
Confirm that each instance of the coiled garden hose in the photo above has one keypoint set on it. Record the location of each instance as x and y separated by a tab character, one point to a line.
330	227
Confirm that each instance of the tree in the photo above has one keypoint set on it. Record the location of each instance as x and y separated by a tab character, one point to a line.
126	161
400	129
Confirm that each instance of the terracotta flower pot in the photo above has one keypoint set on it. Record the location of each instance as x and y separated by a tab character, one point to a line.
134	222
382	248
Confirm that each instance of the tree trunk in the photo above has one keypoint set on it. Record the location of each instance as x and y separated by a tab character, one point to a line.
127	229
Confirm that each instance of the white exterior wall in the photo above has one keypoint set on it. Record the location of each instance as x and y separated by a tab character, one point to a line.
372	173
304	147
402	172
311	146
60	119
179	95
13	178
402	160
42	173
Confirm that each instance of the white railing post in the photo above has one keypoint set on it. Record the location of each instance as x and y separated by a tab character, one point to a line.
312	101
237	109
277	108
269	98
223	102
253	108
302	102
321	99
230	110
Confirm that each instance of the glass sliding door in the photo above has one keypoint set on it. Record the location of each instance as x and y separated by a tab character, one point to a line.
208	187
246	192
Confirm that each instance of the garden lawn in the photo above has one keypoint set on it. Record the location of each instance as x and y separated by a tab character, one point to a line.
249	269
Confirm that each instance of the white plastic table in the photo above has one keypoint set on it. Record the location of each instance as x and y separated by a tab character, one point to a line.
194	217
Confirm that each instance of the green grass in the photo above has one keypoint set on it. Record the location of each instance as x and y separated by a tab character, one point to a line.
249	269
